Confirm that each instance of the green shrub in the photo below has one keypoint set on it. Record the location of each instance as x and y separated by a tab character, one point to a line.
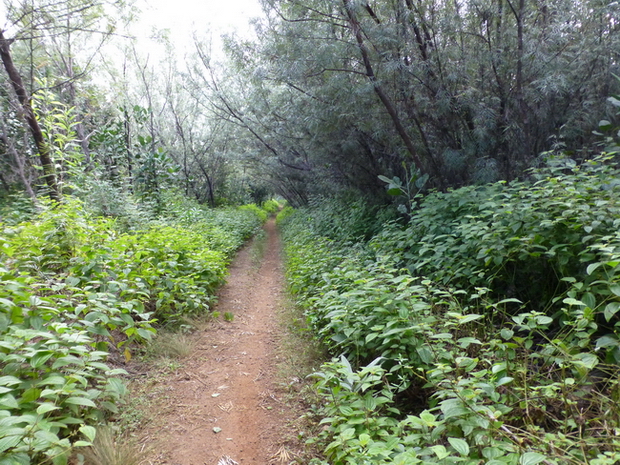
259	212
284	214
74	288
520	240
271	206
451	367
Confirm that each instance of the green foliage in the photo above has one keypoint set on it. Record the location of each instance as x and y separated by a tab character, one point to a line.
347	219
271	206
479	87
74	288
15	208
284	214
58	123
258	211
610	130
519	239
440	362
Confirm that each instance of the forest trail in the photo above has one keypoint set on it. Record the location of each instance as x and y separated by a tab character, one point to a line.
225	401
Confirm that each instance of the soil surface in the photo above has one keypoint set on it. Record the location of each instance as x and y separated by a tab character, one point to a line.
226	403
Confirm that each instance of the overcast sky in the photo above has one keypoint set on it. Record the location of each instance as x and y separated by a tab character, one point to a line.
183	17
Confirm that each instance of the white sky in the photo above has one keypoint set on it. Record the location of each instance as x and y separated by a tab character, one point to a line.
183	17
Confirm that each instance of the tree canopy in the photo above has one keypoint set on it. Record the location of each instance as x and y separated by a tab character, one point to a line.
330	96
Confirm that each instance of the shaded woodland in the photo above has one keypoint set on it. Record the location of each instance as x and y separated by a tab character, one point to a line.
329	96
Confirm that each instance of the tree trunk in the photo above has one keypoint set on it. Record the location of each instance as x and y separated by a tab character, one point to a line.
385	100
21	166
49	172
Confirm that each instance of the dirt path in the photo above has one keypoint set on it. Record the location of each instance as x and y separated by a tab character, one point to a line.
225	401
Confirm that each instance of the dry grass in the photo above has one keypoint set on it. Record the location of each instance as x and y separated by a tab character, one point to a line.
282	457
107	449
172	345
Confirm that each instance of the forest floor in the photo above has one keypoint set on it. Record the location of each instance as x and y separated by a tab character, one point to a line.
236	397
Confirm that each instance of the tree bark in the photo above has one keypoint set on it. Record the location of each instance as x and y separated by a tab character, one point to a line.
49	171
21	166
385	100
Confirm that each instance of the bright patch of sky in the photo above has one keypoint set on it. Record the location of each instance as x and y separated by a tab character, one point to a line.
206	18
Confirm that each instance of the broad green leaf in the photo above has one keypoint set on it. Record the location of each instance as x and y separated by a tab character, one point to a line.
611	309
9	381
589	299
9	401
80	401
7	303
571	301
54	380
531	458
364	439
604	125
588	359
459	445
492	452
425	354
88	431
46	407
8	442
440	451
30	395
615	288
61	459
504	380
465	342
47	436
544	320
428	417
469	318
609	340
453	408
82	444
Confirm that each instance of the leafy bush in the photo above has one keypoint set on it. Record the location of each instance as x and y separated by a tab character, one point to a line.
284	214
345	219
271	206
519	239
451	367
252	207
74	289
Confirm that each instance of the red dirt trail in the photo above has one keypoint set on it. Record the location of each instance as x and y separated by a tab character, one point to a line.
225	402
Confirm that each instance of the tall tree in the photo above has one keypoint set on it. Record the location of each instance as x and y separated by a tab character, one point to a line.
49	172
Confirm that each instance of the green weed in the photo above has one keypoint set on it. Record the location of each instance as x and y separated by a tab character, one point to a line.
75	287
442	361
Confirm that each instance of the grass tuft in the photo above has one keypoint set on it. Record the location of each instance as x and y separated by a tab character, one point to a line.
172	345
107	449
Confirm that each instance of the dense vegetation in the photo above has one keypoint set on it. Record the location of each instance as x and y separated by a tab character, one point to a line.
468	277
485	330
79	294
465	92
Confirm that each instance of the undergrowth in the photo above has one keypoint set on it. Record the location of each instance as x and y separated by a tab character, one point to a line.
483	332
79	294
